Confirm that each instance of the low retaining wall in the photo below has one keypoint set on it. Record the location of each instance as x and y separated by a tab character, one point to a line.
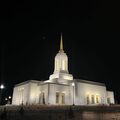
45	112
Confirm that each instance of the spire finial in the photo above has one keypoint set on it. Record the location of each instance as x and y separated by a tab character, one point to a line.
61	43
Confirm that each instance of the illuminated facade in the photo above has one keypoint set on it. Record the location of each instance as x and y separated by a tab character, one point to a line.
61	88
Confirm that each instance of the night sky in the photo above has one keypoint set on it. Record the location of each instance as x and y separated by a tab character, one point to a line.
31	35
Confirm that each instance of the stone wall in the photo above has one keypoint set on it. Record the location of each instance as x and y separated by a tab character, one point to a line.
44	112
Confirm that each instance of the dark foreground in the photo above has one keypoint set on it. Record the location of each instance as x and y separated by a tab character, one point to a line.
44	112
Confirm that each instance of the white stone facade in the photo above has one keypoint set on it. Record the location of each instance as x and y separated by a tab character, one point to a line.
61	88
31	92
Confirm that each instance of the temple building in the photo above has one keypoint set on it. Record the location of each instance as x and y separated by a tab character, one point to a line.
61	88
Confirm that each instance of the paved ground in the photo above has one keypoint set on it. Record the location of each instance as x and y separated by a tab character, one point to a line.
45	112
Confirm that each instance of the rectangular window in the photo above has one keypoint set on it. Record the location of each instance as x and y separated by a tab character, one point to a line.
88	99
39	98
43	98
97	99
63	65
57	97
21	95
108	100
92	99
63	98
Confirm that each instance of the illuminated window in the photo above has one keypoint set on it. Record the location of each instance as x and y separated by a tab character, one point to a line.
57	97
43	97
97	99
39	98
63	98
88	99
21	95
57	65
108	100
63	65
66	64
92	99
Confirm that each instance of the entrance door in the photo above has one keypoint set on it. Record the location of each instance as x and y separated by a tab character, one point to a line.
60	98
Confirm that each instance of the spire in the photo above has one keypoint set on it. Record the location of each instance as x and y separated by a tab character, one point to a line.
61	44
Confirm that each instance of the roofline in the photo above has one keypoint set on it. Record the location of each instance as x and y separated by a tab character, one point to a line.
77	80
90	82
28	81
53	83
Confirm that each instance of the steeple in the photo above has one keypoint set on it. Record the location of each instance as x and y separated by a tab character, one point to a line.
61	73
61	44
